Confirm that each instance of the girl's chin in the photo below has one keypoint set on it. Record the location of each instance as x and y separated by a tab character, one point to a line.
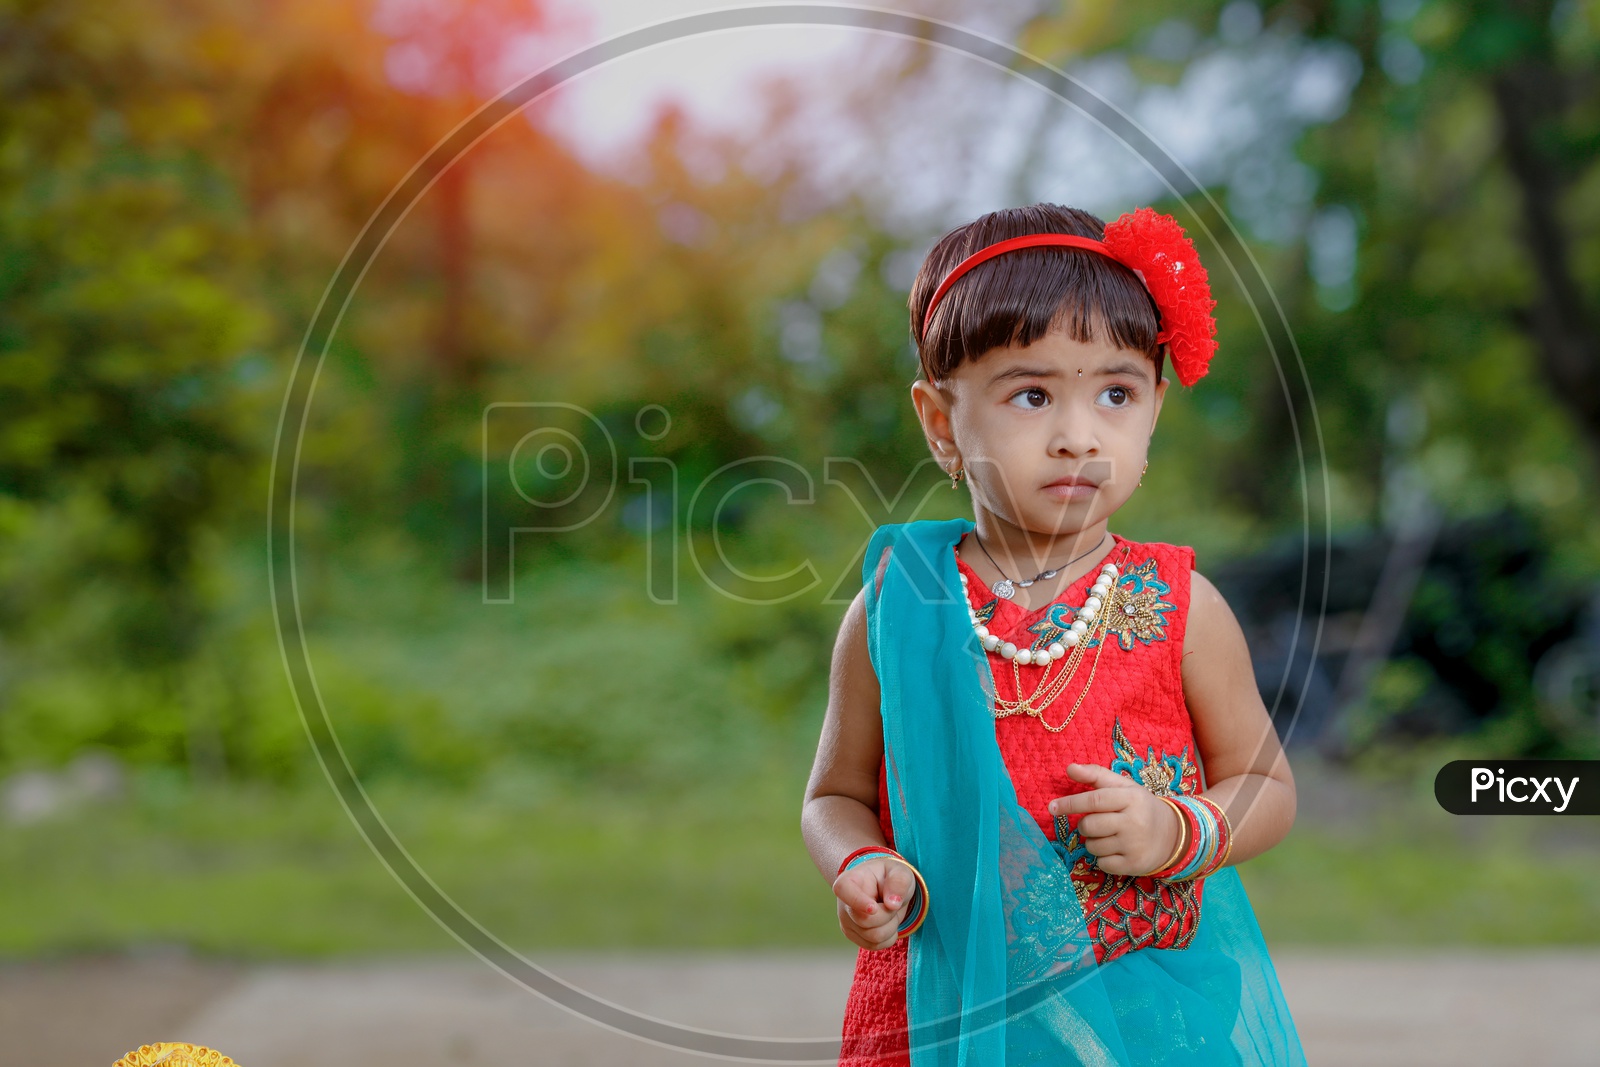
1062	521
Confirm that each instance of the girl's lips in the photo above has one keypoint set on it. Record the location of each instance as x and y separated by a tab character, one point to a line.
1070	493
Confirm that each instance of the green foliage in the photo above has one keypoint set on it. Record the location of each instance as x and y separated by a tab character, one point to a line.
177	183
1464	172
125	342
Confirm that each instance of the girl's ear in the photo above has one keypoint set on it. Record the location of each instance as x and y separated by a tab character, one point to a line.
932	404
1161	392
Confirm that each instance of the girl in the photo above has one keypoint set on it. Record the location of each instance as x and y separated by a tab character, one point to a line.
1044	746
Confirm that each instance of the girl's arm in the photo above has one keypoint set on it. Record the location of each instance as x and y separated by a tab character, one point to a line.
841	806
840	813
1246	771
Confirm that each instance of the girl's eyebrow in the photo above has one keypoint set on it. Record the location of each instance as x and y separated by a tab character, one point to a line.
1125	367
1024	372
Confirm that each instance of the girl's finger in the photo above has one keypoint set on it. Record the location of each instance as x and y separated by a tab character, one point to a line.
1099	844
1118	863
1090	800
1106	845
864	925
897	884
1096	775
886	914
1101	823
858	891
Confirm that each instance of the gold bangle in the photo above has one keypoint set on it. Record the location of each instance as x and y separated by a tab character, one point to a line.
923	887
1183	837
1227	823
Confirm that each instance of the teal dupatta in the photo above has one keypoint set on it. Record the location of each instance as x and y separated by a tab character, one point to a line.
1003	971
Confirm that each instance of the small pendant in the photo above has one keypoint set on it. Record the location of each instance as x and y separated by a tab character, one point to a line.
1003	588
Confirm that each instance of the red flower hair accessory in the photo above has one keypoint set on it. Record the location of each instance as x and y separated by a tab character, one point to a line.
1155	248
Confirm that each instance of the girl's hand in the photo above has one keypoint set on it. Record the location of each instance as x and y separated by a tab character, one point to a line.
1128	829
873	897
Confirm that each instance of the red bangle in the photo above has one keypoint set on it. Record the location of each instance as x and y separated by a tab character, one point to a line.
1192	823
1224	837
863	849
922	911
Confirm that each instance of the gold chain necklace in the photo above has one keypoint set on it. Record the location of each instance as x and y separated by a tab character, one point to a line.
1050	688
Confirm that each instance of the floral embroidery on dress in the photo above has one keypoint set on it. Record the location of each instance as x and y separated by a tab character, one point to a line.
1156	773
1053	624
1045	936
1142	609
1140	613
1125	912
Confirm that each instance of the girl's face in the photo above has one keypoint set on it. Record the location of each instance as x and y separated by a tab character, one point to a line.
1053	436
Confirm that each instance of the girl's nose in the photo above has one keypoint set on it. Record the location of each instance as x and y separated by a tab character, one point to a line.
1074	434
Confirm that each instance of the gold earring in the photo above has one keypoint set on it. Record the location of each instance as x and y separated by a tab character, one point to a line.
955	477
1141	472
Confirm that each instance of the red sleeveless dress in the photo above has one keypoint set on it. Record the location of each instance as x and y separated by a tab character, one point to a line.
1133	720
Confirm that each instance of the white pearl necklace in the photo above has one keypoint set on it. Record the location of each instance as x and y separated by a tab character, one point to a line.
1098	594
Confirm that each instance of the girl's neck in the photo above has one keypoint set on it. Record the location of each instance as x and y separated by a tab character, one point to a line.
1020	554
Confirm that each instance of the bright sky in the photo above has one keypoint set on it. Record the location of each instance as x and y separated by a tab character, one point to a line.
960	141
921	158
603	110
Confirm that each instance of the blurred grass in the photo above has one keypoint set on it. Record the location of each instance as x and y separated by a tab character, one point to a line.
268	873
251	872
585	770
1410	880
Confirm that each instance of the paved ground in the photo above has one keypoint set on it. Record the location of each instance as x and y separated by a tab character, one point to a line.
1411	1010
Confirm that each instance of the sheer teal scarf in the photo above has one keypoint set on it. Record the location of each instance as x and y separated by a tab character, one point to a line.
1002	971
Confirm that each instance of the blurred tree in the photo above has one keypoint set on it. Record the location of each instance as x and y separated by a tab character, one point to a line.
124	334
1467	167
181	177
463	54
1449	247
1440	266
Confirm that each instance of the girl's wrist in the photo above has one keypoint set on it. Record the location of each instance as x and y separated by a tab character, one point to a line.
1178	847
916	906
864	850
1210	839
1193	842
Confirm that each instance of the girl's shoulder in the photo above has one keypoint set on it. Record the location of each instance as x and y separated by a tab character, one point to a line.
1157	581
923	536
1179	559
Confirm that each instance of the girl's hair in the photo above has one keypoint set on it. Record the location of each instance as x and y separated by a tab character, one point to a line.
1018	297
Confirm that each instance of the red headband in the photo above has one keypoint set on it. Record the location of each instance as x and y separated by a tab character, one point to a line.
1155	248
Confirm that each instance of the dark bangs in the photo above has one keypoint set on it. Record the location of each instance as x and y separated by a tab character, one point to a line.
1018	297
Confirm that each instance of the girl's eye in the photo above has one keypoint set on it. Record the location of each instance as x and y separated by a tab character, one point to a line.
1034	398
1117	396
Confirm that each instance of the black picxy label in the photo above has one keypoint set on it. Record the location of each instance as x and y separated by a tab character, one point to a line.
1519	787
